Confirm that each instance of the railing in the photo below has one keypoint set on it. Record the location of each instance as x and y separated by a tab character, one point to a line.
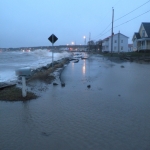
143	48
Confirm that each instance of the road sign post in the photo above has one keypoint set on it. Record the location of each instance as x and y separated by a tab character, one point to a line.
52	39
52	49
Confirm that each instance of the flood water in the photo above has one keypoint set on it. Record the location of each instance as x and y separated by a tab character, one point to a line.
114	113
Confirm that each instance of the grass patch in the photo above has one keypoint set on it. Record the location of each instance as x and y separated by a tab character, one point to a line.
130	54
15	94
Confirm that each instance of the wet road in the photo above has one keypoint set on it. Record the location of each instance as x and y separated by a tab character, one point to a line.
113	114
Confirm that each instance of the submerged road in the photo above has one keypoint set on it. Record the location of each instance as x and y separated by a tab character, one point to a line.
112	114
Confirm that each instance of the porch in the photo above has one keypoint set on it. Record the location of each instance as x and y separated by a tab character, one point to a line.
143	44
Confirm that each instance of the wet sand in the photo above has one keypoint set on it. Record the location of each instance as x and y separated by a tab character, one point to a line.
113	113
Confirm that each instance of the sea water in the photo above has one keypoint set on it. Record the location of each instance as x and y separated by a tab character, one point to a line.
11	61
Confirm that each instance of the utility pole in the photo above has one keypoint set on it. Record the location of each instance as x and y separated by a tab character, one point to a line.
52	49
89	40
112	30
119	42
85	41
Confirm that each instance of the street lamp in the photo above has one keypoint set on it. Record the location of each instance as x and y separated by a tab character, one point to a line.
84	40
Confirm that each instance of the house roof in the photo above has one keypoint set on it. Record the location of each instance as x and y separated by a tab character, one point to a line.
113	35
147	28
137	35
106	38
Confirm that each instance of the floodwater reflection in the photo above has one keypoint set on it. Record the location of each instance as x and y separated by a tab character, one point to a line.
84	67
72	64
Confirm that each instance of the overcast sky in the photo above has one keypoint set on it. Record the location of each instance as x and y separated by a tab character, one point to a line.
30	22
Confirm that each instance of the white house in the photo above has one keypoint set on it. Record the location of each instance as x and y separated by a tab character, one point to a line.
141	39
119	43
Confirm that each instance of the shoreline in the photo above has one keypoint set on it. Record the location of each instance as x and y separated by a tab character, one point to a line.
46	75
42	75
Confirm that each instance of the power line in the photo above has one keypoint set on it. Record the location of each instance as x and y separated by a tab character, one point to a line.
132	18
117	3
126	22
103	32
132	11
105	17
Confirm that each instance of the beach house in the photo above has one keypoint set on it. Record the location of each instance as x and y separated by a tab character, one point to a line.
141	39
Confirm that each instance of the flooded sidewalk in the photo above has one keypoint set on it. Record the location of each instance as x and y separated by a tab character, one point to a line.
103	105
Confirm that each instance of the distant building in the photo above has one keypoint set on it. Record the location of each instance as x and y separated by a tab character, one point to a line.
130	47
120	43
141	39
99	45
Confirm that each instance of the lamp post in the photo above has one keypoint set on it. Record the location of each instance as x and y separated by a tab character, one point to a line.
72	45
84	40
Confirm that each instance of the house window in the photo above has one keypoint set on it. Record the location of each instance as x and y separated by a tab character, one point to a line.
114	47
143	33
121	41
121	47
115	41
